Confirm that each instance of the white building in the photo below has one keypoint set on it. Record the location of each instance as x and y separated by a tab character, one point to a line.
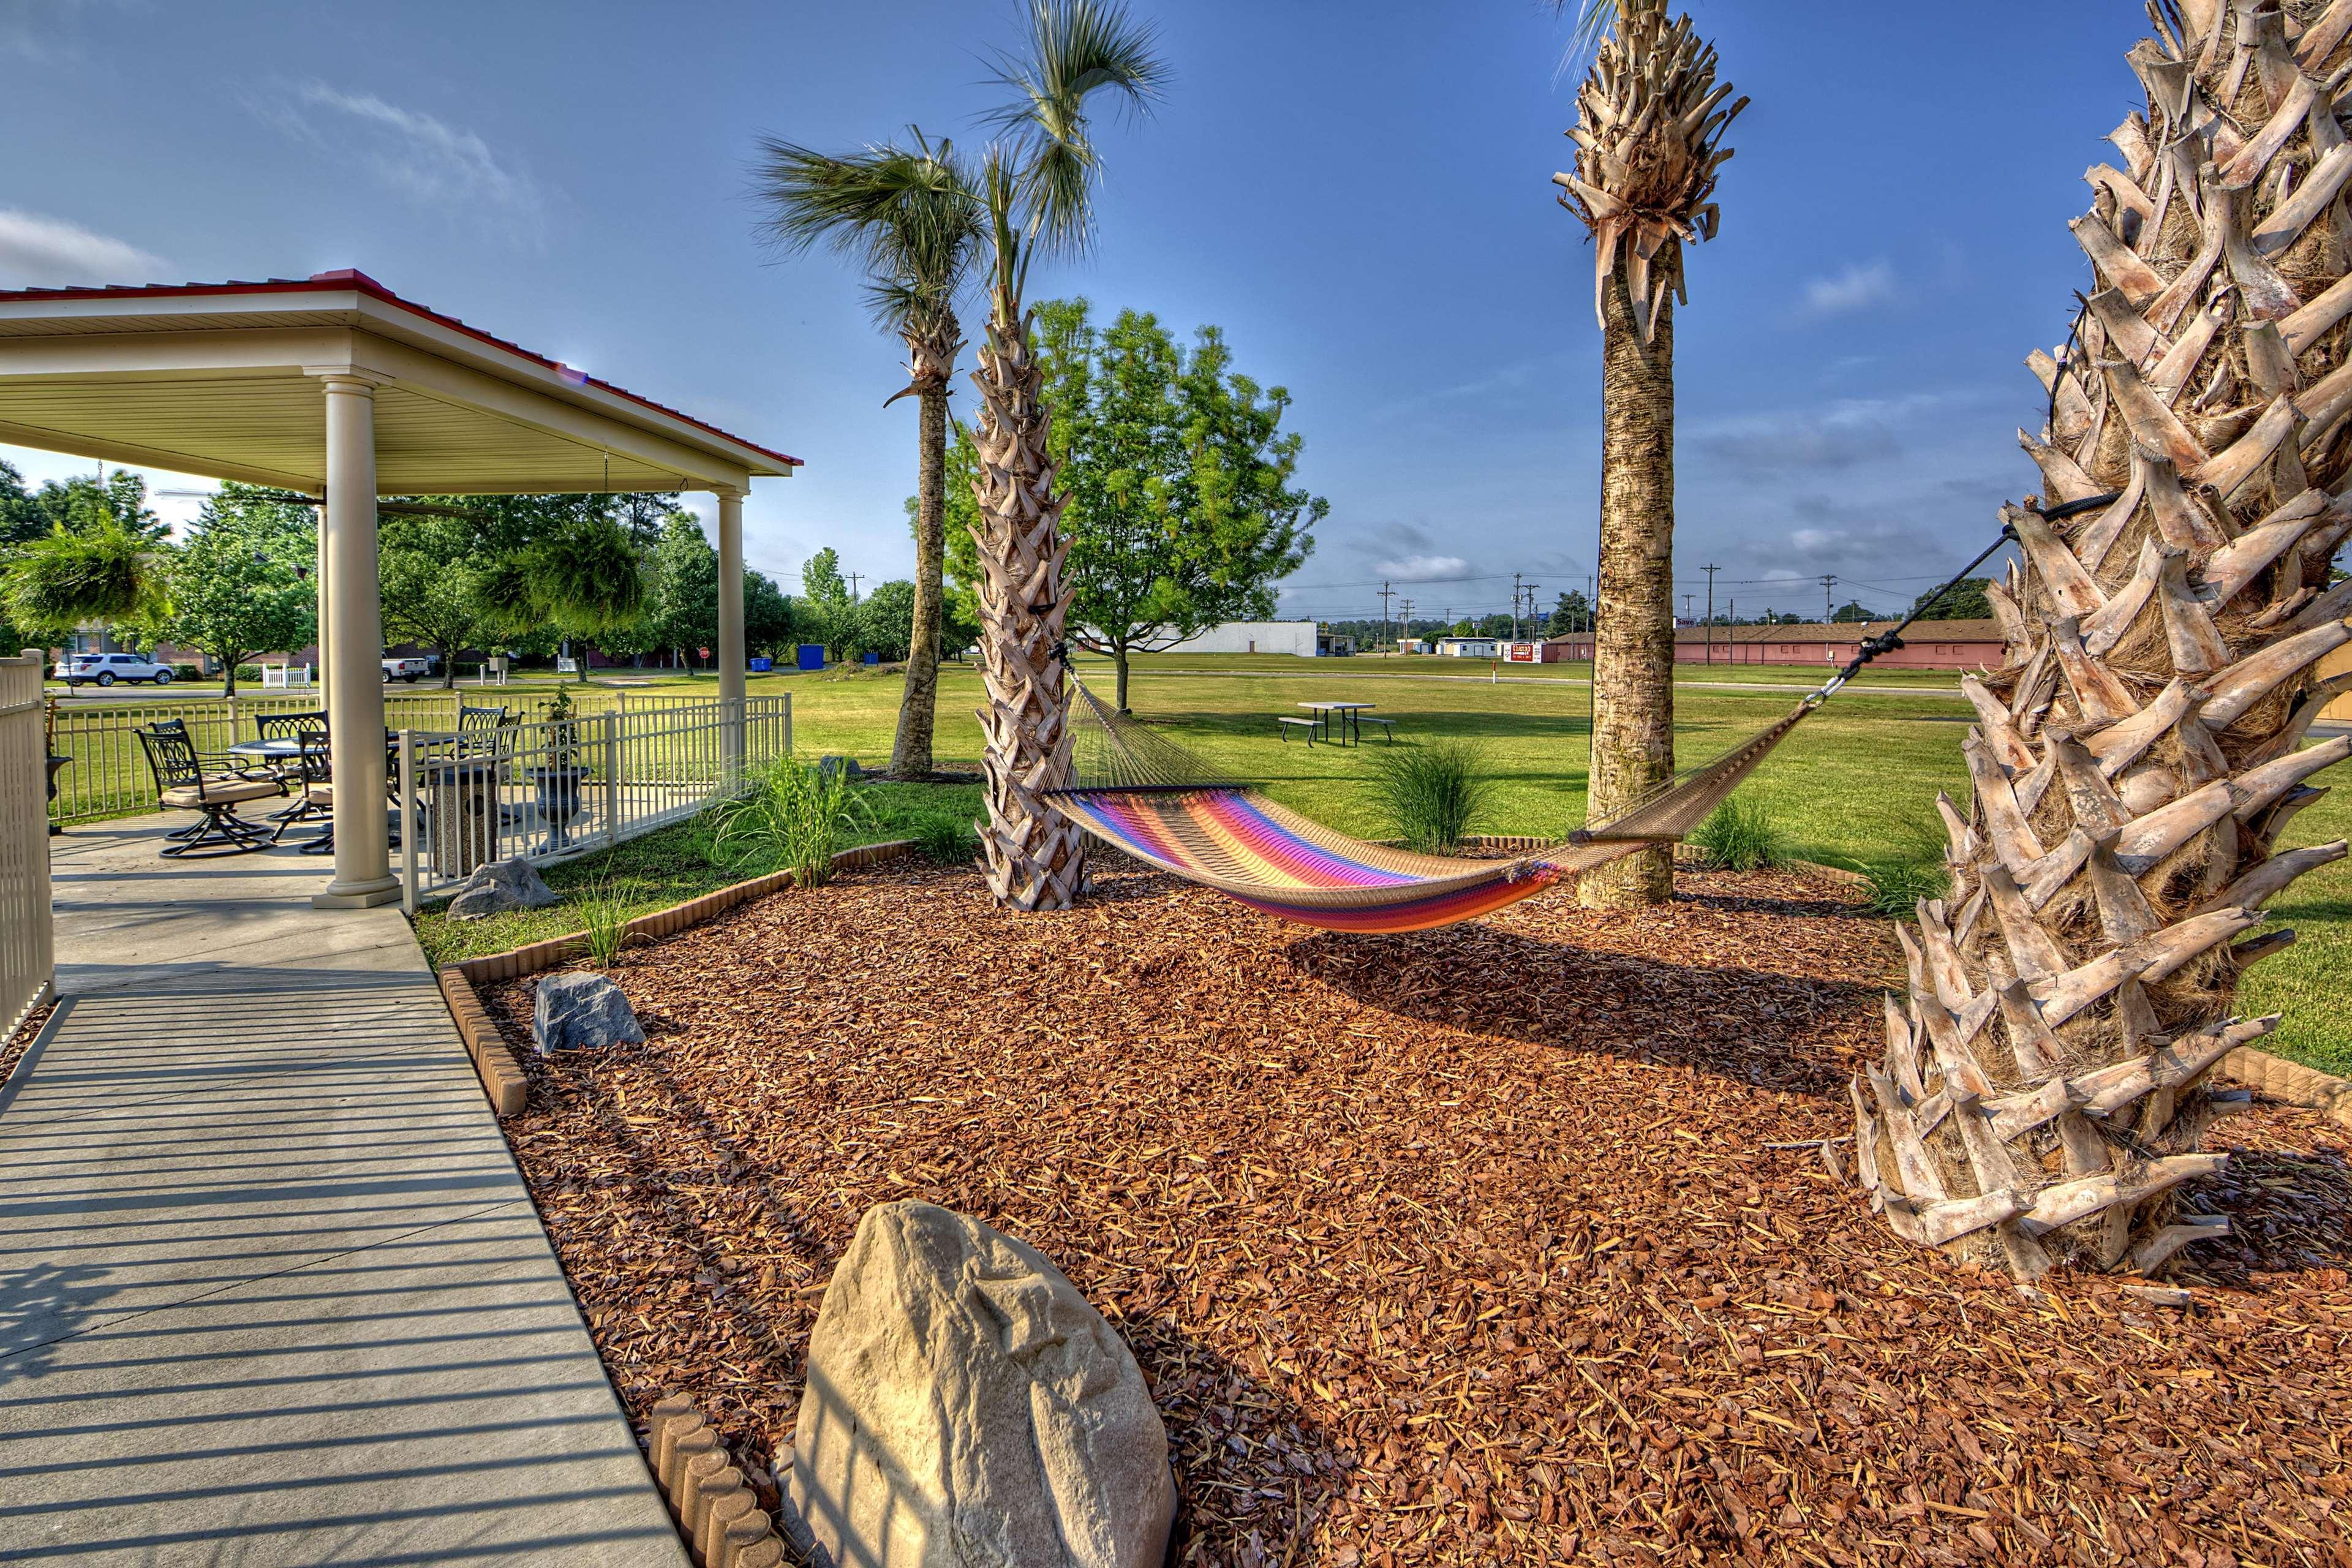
1298	637
1470	647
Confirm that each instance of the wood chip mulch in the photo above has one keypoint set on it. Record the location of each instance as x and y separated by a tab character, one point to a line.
1464	1246
20	1039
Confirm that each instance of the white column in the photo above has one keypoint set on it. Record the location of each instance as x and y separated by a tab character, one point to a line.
732	659
354	664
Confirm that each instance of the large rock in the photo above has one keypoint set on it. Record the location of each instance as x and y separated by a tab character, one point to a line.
498	887
966	1409
579	1010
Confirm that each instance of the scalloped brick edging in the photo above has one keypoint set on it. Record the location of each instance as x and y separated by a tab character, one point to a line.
718	1520
2292	1082
502	1076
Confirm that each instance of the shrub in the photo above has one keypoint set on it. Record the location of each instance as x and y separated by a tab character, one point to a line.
186	672
247	672
949	840
604	917
1430	791
794	816
1740	836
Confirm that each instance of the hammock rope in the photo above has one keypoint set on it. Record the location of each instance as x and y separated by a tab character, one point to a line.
1143	793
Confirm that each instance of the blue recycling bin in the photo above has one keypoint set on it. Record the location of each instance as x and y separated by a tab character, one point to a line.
762	664
811	656
873	659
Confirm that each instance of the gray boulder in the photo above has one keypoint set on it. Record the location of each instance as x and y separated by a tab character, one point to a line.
579	1010
967	1408
498	887
828	766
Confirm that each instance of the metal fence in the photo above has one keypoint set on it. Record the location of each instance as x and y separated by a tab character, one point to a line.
549	789
27	947
106	772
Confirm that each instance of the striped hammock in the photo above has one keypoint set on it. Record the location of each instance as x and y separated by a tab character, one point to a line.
1234	840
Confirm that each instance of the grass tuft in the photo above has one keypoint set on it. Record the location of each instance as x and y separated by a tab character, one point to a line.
794	816
605	910
1740	836
946	840
1430	791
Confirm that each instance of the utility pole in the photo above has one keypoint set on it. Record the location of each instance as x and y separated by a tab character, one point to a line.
1686	605
1408	618
854	578
1829	608
1710	572
1387	594
1515	606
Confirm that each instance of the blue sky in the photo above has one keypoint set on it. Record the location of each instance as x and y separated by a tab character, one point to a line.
1357	193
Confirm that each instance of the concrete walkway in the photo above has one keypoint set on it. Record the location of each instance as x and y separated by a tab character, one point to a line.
271	1288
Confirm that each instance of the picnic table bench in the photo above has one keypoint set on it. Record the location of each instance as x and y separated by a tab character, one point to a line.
1305	726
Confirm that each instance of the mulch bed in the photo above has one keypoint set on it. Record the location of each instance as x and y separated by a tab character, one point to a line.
20	1040
1462	1247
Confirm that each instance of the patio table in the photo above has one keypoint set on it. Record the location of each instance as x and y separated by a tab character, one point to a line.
1347	712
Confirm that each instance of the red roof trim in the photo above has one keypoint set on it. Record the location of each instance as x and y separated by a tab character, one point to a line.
352	279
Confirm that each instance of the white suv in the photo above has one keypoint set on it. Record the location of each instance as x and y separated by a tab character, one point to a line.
106	668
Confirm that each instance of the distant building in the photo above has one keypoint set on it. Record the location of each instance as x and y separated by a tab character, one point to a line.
1929	645
1470	647
1302	639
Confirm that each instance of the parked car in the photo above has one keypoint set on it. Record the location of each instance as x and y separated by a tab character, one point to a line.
106	668
409	669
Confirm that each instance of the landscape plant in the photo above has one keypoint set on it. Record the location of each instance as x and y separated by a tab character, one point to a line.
605	911
1740	834
1650	120
910	217
2046	1087
1430	791
1037	185
794	816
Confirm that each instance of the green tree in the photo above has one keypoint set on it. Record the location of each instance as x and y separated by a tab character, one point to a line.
1179	506
768	616
911	219
240	585
884	618
88	505
686	588
21	519
1966	602
1851	611
1572	614
830	615
435	574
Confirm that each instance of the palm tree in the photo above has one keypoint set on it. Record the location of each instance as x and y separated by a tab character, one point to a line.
2138	758
909	216
1037	186
1649	118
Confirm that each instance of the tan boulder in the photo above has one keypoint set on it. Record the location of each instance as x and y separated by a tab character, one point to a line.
967	1407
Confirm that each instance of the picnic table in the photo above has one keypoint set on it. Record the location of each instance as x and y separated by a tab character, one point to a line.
1350	724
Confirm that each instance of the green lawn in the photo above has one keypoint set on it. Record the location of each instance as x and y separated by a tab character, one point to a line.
1856	785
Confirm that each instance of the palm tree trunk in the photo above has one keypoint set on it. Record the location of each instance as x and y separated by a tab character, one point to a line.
2044	1090
910	753
1035	854
1633	656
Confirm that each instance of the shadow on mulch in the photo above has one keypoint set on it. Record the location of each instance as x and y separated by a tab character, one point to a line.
1491	981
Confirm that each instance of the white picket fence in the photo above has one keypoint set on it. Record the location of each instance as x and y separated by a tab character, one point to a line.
549	789
27	946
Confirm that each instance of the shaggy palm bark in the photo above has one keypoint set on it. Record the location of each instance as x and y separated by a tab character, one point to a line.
2046	1087
1649	118
930	361
1634	643
1036	855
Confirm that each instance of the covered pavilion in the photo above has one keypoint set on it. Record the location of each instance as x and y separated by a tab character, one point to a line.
335	386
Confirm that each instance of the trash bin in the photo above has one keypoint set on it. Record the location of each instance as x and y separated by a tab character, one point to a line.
811	656
761	665
462	797
873	659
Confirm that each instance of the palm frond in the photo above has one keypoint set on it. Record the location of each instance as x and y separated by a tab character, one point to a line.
1075	50
908	216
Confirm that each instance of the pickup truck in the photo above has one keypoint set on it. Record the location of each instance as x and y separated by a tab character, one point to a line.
408	670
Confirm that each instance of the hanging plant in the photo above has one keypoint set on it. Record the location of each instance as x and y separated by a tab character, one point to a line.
109	574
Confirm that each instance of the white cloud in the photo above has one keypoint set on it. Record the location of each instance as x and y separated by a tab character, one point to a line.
1861	287
48	252
435	163
1424	568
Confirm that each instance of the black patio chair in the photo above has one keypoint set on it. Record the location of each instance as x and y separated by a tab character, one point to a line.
319	788
182	784
217	765
480	726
